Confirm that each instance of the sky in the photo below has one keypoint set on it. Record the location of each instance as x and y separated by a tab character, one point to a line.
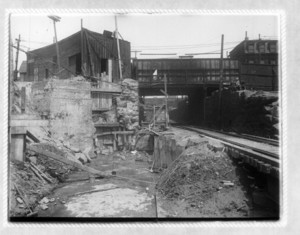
149	33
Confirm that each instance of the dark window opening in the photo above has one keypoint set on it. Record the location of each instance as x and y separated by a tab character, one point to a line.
104	66
75	64
47	73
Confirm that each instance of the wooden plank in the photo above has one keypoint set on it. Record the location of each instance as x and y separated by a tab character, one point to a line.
31	136
66	161
42	173
115	133
111	89
23	99
112	124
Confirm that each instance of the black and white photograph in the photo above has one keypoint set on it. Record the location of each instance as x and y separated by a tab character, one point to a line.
145	117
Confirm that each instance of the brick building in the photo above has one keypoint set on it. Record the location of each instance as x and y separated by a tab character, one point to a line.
258	63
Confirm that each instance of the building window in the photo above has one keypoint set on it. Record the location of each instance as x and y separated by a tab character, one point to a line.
273	48
250	62
251	48
272	62
262	48
262	62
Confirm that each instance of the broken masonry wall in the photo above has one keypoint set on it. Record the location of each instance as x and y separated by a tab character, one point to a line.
128	104
71	113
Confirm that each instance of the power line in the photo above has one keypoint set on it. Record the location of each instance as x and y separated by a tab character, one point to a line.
180	46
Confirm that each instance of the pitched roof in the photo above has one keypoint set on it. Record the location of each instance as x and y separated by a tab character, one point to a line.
23	67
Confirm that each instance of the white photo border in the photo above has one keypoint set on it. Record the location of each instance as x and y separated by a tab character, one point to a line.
202	224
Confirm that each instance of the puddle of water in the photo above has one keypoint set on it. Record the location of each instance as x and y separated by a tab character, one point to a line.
109	203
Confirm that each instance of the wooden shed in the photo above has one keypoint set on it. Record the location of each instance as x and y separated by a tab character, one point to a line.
84	53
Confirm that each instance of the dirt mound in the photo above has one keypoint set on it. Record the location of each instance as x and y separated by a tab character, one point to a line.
206	179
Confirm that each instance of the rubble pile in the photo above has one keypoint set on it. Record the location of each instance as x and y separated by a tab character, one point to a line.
127	104
245	111
206	179
26	179
259	114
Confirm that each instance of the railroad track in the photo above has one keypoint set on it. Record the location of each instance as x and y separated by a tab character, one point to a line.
264	146
269	141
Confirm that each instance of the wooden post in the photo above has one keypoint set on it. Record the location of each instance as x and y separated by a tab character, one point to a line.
23	99
154	116
115	141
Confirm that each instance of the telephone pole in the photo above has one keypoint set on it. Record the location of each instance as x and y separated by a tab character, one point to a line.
17	58
118	46
221	84
56	19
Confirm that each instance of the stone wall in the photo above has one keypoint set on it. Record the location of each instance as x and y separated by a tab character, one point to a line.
127	104
71	113
67	104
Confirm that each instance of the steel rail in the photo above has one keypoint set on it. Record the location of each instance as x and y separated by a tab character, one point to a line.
198	130
260	139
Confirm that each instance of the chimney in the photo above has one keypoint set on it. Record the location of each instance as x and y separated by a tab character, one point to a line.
246	37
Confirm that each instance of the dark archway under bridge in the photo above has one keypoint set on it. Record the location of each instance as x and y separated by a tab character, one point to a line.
193	110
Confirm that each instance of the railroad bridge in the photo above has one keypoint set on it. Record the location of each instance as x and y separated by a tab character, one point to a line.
194	78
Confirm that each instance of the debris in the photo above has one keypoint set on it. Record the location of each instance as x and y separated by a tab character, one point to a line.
42	174
52	200
45	200
26	203
32	159
66	161
44	207
228	184
37	174
19	200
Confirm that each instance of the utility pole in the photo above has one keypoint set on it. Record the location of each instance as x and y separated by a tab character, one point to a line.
81	46
221	83
17	57
56	19
118	46
166	101
135	53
